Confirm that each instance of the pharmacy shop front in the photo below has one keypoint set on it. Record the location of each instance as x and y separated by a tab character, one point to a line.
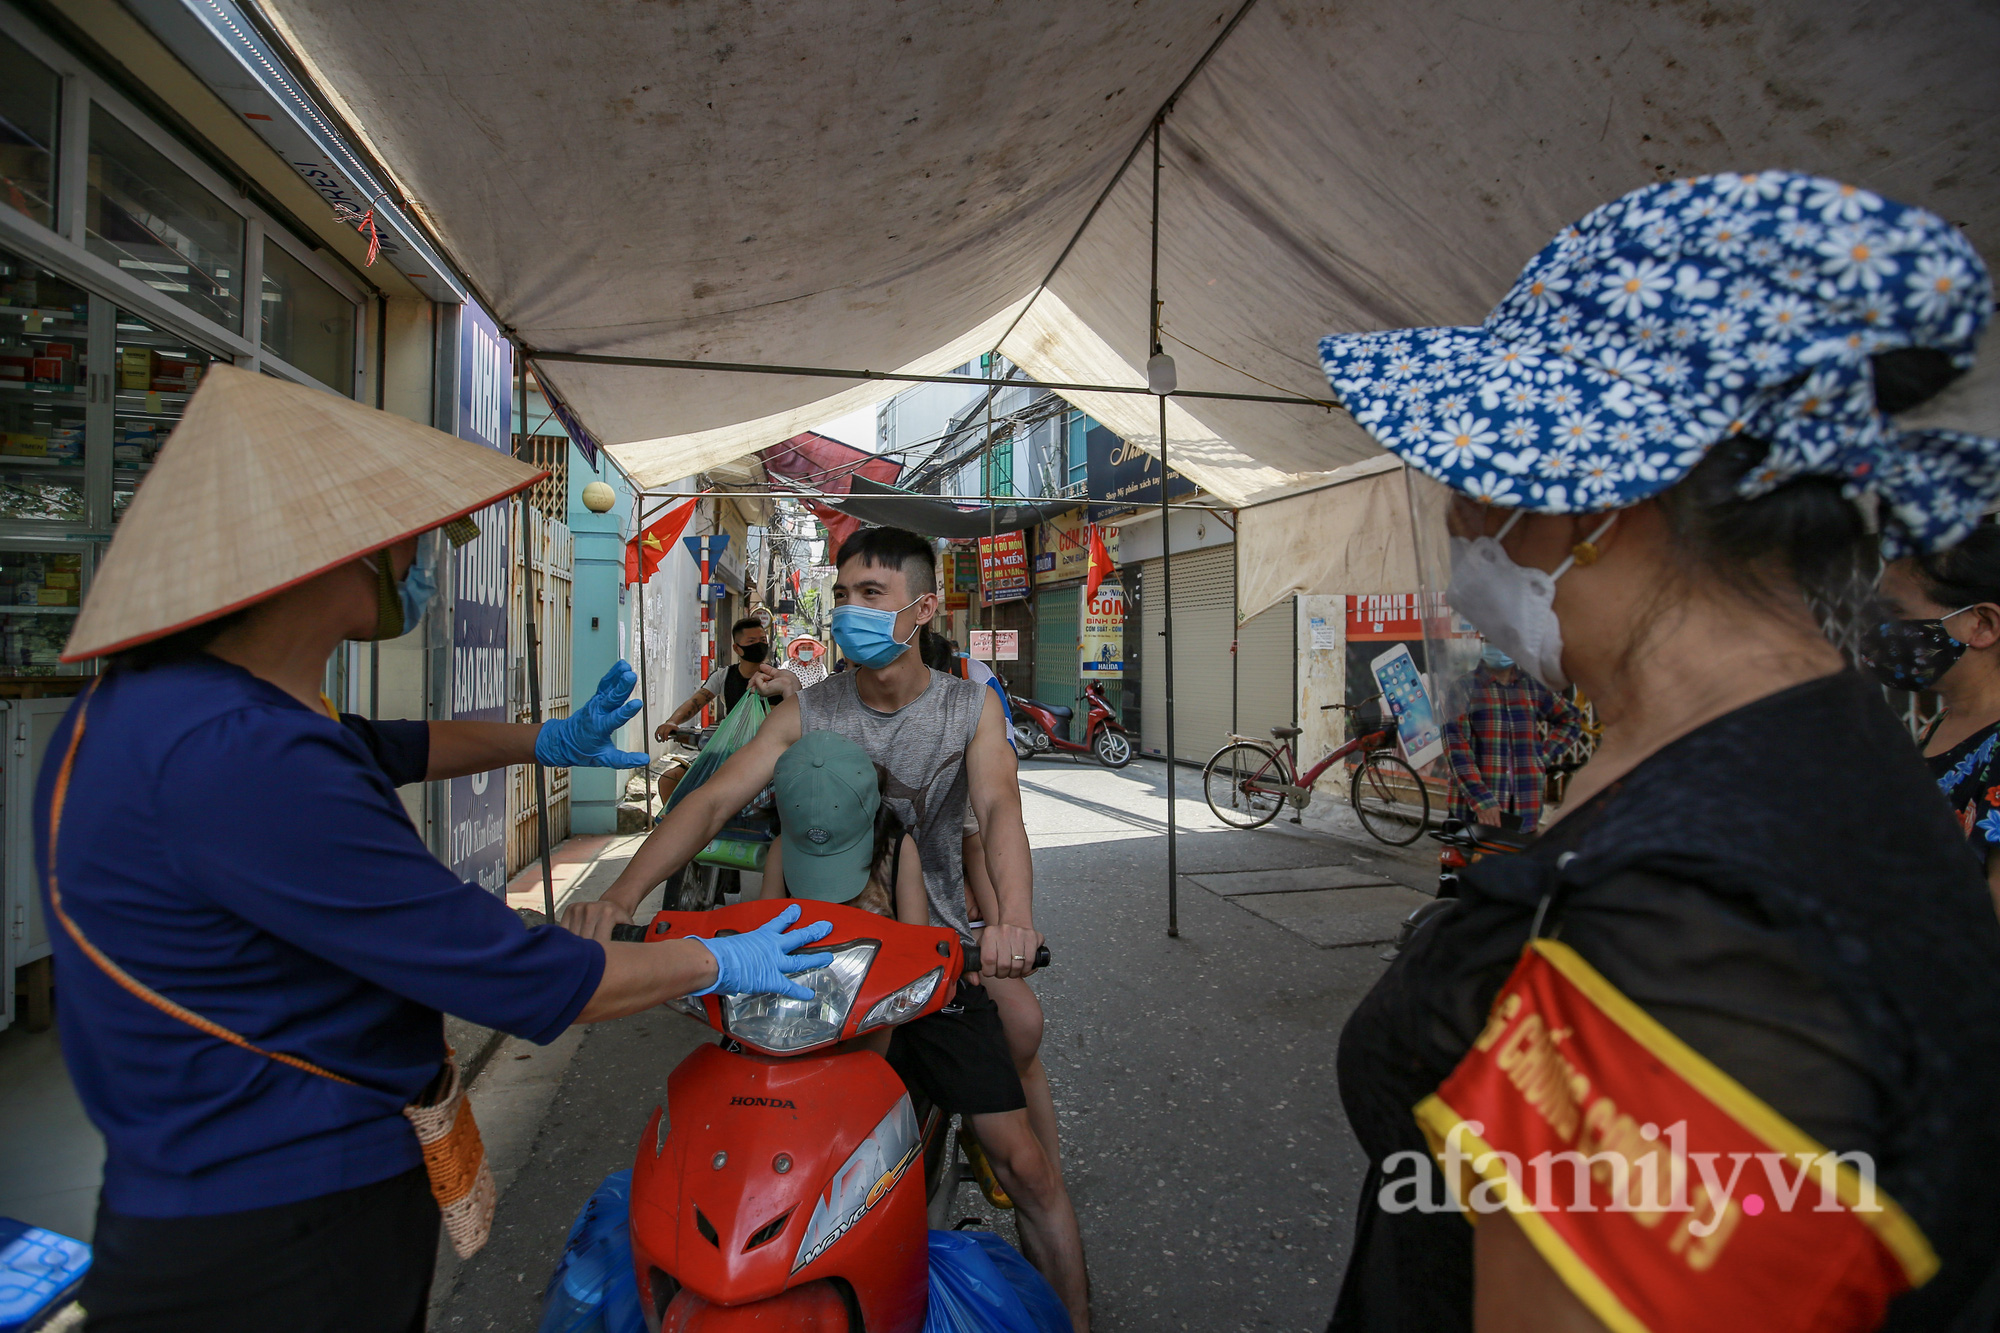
128	266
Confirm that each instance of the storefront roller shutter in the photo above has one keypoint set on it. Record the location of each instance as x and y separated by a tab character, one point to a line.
1204	605
1057	628
1266	658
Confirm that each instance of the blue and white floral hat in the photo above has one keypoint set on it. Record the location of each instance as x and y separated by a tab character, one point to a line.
1681	314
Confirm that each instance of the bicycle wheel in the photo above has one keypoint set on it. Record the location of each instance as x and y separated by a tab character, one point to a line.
1390	799
1238	783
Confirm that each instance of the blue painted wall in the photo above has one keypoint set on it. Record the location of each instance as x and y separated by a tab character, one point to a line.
601	613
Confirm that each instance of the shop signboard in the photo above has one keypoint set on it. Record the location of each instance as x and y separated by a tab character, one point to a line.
1003	567
1101	654
982	645
958	572
1062	549
477	805
1118	474
1006	645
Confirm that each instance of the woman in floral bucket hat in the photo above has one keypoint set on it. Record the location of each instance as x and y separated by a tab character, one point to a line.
1752	941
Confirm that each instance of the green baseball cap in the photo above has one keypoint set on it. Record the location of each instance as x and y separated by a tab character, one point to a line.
827	798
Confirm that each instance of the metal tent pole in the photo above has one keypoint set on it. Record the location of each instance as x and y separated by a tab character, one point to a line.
645	694
528	595
1166	569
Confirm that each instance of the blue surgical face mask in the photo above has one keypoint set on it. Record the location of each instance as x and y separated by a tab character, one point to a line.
867	634
1494	658
420	584
413	593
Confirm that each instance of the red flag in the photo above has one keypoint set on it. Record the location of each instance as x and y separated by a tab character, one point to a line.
644	553
839	526
1100	568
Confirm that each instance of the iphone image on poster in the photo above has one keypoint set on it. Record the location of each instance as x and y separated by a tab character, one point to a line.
1418	729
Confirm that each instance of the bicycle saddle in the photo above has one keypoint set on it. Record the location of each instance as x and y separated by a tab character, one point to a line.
1285	733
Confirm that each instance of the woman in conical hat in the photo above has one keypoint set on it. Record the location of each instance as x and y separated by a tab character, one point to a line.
1721	1048
254	946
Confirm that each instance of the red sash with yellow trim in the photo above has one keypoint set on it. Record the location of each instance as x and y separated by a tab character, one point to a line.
1663	1193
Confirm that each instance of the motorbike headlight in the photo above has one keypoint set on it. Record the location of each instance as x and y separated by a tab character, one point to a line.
780	1024
901	1004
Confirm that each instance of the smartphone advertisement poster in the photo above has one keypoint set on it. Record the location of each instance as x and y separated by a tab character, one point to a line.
1417	727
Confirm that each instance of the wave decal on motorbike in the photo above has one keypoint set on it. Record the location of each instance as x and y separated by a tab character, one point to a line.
863	1181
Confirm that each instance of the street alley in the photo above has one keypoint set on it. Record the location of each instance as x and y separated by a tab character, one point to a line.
1203	1139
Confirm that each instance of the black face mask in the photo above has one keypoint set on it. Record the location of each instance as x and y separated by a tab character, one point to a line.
753	653
1911	654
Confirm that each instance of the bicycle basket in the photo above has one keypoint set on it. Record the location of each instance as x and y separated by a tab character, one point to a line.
1371	718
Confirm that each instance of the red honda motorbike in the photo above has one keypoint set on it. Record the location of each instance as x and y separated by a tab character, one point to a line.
776	1189
1041	728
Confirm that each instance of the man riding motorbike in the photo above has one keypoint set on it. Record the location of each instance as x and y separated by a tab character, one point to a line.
943	742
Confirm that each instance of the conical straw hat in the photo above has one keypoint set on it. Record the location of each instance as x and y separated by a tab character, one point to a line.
265	484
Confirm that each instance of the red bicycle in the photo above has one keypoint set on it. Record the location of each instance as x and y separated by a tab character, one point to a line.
1248	781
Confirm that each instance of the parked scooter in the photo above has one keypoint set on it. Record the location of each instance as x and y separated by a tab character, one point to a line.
1463	844
783	1186
1041	728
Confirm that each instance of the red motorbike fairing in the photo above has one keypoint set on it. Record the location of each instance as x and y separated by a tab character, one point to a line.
817	1307
711	1206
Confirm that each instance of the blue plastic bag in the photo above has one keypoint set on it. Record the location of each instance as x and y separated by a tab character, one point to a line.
592	1289
981	1284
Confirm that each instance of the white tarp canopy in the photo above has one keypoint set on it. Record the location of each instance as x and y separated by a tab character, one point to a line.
1347	533
881	183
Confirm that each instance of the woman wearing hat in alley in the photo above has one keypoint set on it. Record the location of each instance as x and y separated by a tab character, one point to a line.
254	946
1669	464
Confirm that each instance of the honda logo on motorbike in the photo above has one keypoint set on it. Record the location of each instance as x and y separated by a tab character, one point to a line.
775	1103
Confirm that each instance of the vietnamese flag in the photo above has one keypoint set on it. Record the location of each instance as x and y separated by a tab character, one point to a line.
1100	567
644	552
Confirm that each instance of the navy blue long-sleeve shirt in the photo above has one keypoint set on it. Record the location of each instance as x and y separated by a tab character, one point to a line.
248	858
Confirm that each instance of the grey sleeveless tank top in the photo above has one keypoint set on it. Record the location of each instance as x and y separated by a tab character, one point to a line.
922	746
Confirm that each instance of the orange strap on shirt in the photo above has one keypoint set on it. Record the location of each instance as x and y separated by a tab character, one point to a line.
118	974
1661	1191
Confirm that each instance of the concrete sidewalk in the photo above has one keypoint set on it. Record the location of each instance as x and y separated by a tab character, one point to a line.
583	865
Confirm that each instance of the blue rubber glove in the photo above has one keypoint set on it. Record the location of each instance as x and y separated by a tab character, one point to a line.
583	739
755	962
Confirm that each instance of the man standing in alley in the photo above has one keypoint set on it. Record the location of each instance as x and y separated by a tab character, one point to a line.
943	744
1497	747
727	683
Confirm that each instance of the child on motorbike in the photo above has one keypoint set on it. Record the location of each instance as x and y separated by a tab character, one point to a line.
839	842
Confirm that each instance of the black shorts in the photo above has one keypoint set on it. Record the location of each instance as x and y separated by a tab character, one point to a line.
958	1057
356	1261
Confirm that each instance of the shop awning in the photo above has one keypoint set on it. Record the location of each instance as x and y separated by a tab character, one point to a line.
929	516
882	185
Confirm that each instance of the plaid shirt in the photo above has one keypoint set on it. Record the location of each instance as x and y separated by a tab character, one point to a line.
1497	747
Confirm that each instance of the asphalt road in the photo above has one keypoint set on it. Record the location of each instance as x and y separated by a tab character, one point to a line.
1203	1139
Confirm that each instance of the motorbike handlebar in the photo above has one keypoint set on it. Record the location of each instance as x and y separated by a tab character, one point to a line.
971	968
637	935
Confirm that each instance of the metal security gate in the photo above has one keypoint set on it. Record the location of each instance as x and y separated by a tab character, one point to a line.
554	566
1266	666
1204	606
1058	628
1257	688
